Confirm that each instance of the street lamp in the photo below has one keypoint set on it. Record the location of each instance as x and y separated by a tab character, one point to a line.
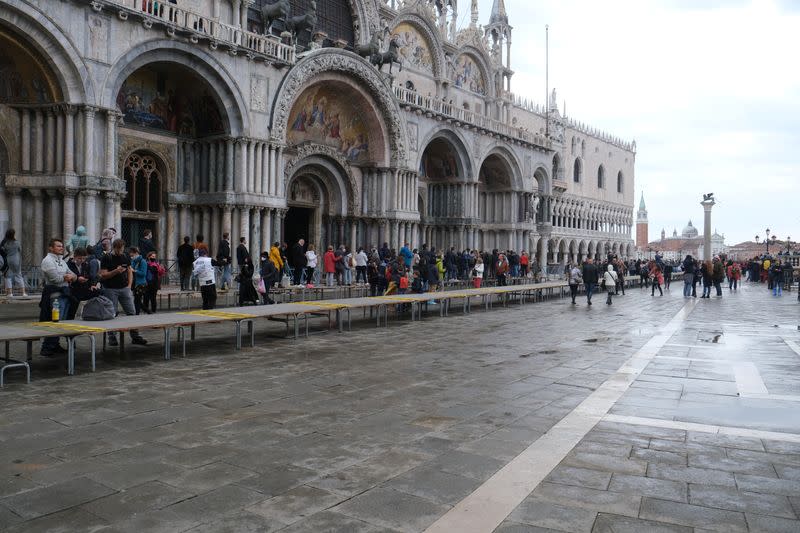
788	245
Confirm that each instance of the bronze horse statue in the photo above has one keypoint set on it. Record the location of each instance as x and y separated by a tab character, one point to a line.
372	48
272	12
391	56
303	22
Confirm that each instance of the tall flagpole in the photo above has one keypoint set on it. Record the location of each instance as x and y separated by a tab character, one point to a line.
547	80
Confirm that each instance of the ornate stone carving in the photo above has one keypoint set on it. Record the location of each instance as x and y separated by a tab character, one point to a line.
165	152
349	64
434	41
306	150
259	89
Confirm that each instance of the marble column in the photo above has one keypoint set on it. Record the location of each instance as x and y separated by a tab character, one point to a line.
49	142
258	165
38	142
251	166
69	213
89	215
229	167
244	224
38	228
266	228
69	139
59	139
111	148
171	240
212	166
227	219
88	140
263	155
280	216
241	165
255	234
110	212
354	244
25	141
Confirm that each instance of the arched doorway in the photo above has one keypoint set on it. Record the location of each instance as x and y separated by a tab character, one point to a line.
143	203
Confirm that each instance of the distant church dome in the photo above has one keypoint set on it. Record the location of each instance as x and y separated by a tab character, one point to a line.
689	232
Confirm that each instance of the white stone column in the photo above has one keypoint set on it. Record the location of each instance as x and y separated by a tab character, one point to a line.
68	208
354	244
212	166
69	139
110	212
15	199
241	165
54	217
707	205
38	142
4	209
59	139
254	242
280	216
111	148
251	167
257	174
25	141
88	140
266	228
227	219
229	167
264	169
38	229
167	243
89	215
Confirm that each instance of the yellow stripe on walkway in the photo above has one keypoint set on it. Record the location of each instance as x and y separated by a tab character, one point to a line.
67	327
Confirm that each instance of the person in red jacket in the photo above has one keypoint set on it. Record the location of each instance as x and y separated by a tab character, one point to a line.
523	264
329	263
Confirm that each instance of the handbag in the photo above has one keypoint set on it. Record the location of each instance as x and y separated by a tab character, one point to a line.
262	288
99	308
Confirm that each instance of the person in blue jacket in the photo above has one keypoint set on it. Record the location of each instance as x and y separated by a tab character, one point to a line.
139	267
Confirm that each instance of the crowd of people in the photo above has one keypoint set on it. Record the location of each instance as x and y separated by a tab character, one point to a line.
131	276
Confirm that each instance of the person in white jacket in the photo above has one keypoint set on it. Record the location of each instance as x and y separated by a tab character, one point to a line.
203	270
478	273
610	277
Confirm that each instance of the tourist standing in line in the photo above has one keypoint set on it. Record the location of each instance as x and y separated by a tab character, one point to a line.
116	277
185	259
361	265
57	277
224	258
590	278
276	257
13	252
297	258
242	253
477	277
311	264
523	264
146	243
329	264
203	270
574	281
139	267
154	274
610	277
502	270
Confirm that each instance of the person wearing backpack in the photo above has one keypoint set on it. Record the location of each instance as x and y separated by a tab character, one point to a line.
116	277
139	266
154	274
11	255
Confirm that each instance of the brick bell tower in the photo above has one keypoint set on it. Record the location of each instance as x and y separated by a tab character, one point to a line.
641	225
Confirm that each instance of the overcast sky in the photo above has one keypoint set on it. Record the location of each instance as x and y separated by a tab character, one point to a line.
710	90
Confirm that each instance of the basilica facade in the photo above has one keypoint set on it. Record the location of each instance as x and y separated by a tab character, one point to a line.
350	122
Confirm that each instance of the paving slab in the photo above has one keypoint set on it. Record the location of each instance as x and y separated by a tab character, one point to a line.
392	509
52	498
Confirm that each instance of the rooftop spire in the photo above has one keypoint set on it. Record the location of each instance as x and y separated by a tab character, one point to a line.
474	19
498	13
641	202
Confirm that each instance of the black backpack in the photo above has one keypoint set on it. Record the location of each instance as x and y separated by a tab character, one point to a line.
3	258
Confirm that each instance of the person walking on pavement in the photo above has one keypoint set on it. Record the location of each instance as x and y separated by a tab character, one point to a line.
116	277
574	281
610	277
590	279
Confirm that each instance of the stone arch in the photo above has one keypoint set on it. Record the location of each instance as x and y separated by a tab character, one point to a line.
542	177
347	64
479	58
601	177
53	46
225	90
136	163
329	167
459	146
577	170
430	34
510	158
620	182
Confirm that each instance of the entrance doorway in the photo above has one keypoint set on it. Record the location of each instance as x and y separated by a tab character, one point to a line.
133	230
297	224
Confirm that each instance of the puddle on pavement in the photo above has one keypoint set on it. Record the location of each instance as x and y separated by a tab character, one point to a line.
548	352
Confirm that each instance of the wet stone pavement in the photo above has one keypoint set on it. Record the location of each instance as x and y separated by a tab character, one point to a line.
654	414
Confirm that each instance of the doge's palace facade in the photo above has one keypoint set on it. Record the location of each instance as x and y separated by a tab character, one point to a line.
205	116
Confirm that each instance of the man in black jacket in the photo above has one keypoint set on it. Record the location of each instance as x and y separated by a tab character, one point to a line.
224	259
589	279
297	258
185	261
242	252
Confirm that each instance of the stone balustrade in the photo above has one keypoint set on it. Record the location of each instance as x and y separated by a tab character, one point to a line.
200	26
414	99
